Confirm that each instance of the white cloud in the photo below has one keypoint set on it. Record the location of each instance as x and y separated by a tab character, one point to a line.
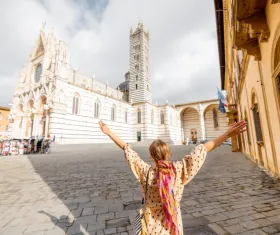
184	56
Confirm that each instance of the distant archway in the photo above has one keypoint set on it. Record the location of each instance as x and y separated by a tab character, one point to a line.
190	123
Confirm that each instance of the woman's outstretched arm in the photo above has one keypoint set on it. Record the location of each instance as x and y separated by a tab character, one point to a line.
104	128
233	130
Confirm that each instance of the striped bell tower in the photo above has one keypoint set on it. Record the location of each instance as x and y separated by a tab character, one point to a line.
140	89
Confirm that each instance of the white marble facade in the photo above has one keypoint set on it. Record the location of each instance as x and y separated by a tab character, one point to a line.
51	98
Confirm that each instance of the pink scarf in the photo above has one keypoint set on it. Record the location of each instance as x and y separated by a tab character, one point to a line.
165	181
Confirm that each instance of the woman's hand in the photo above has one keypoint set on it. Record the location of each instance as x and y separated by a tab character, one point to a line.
104	128
236	128
233	130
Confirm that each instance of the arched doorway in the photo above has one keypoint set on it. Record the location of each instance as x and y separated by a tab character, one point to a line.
258	127
194	135
190	125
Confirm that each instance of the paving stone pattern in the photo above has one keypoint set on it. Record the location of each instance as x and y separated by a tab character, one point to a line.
90	190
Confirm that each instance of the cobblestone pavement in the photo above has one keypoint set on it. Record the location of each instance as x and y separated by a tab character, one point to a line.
89	190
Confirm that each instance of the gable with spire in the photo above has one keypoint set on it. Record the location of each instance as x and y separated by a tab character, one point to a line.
39	48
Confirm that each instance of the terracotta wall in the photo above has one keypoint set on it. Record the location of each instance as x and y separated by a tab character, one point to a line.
259	80
4	121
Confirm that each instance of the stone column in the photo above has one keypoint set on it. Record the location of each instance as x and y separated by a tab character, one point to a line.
201	120
35	124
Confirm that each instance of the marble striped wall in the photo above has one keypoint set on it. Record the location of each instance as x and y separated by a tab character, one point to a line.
211	131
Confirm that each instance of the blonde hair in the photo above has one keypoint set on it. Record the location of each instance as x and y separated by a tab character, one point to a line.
159	150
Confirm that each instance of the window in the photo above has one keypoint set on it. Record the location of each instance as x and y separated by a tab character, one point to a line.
162	118
247	131
76	104
278	84
147	87
136	87
171	118
113	113
215	118
276	60
97	109
257	122
61	96
84	83
38	73
125	116
136	57
139	116
136	77
152	117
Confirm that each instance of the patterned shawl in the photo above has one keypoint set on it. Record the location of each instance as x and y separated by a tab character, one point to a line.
165	182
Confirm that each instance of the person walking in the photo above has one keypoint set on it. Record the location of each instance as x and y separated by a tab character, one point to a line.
166	179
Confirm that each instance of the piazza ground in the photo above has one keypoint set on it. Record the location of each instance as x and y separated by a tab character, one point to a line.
88	189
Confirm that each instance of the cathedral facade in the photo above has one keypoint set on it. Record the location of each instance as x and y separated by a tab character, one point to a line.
51	98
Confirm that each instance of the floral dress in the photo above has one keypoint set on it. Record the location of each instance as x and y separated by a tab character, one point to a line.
186	169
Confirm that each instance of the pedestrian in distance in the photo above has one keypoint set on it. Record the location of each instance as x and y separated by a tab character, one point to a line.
162	183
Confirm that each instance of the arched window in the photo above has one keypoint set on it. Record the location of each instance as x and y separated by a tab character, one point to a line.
277	69
61	96
139	116
215	118
76	104
125	116
247	129
257	120
97	109
277	54
84	83
38	73
162	117
113	113
152	117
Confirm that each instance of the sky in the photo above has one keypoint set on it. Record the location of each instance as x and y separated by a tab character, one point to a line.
183	42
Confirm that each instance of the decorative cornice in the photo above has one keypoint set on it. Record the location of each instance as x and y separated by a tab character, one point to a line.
197	102
251	26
